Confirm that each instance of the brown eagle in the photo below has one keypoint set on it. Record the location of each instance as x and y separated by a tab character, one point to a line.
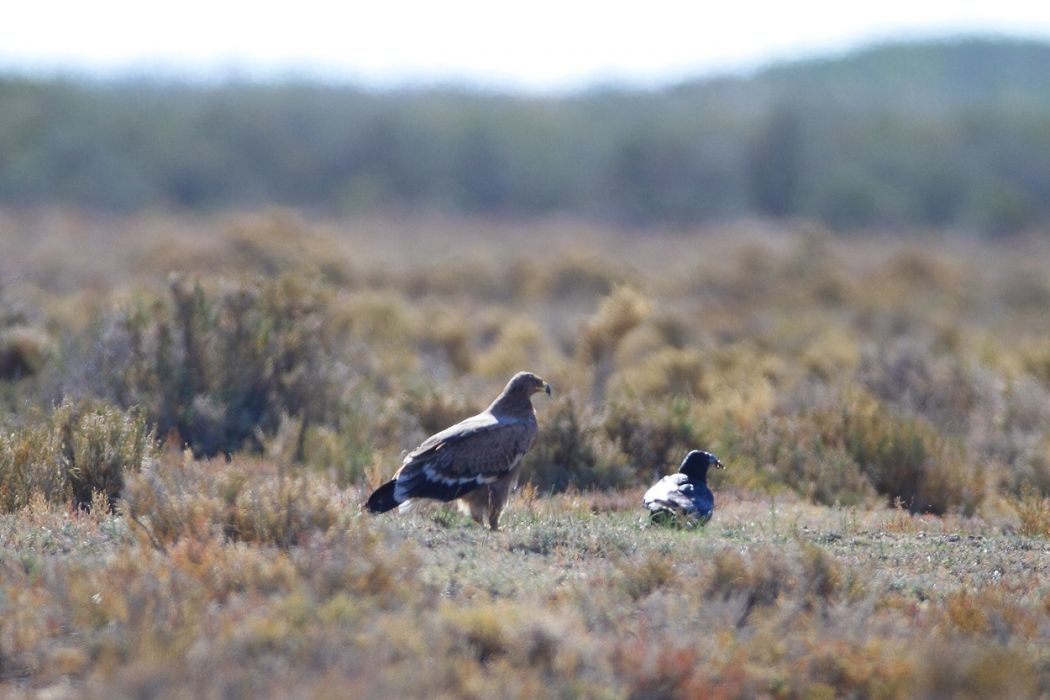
477	460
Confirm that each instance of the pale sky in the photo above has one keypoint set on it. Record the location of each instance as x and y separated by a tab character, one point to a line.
538	45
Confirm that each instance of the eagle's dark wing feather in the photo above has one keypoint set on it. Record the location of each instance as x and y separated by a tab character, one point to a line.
478	451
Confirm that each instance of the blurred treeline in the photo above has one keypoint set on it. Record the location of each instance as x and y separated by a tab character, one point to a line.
929	134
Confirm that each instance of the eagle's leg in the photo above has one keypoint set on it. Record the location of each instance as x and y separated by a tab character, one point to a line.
498	494
477	504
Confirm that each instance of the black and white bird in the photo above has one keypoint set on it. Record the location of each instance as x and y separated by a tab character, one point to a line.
684	497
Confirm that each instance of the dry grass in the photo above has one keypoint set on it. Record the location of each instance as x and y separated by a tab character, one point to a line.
571	598
807	358
882	405
65	458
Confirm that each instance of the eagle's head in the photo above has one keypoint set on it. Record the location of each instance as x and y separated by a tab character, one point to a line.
527	383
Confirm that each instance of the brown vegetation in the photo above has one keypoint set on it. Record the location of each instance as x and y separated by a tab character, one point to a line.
232	386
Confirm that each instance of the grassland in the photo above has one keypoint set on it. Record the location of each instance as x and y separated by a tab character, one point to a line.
573	598
193	409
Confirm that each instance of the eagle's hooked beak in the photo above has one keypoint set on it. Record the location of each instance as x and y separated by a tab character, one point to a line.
719	465
547	388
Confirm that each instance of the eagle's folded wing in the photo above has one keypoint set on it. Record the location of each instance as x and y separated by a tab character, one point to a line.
478	451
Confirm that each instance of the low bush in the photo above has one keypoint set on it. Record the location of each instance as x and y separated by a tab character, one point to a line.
915	378
222	369
24	350
625	443
654	436
576	275
69	455
519	344
617	315
787	452
906	459
854	446
1033	511
246	501
667	372
567	454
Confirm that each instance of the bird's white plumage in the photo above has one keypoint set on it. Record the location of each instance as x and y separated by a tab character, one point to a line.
674	494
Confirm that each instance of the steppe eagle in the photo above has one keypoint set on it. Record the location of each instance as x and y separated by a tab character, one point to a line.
477	460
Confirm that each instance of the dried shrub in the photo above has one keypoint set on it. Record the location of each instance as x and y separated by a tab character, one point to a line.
278	241
1033	510
434	410
519	344
378	318
914	377
575	275
269	242
1036	474
729	575
756	581
667	372
282	510
848	668
563	455
246	500
659	331
1035	360
916	271
32	464
831	355
103	444
845	449
484	630
788	452
653	436
477	276
986	671
1024	287
822	576
640	578
344	450
447	337
76	451
24	350
907	459
221	370
616	316
658	667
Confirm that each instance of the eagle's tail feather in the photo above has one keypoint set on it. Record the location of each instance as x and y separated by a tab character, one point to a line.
382	499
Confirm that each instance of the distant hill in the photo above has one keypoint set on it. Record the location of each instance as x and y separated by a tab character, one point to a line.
950	133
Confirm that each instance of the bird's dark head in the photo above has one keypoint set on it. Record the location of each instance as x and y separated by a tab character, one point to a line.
697	462
527	383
